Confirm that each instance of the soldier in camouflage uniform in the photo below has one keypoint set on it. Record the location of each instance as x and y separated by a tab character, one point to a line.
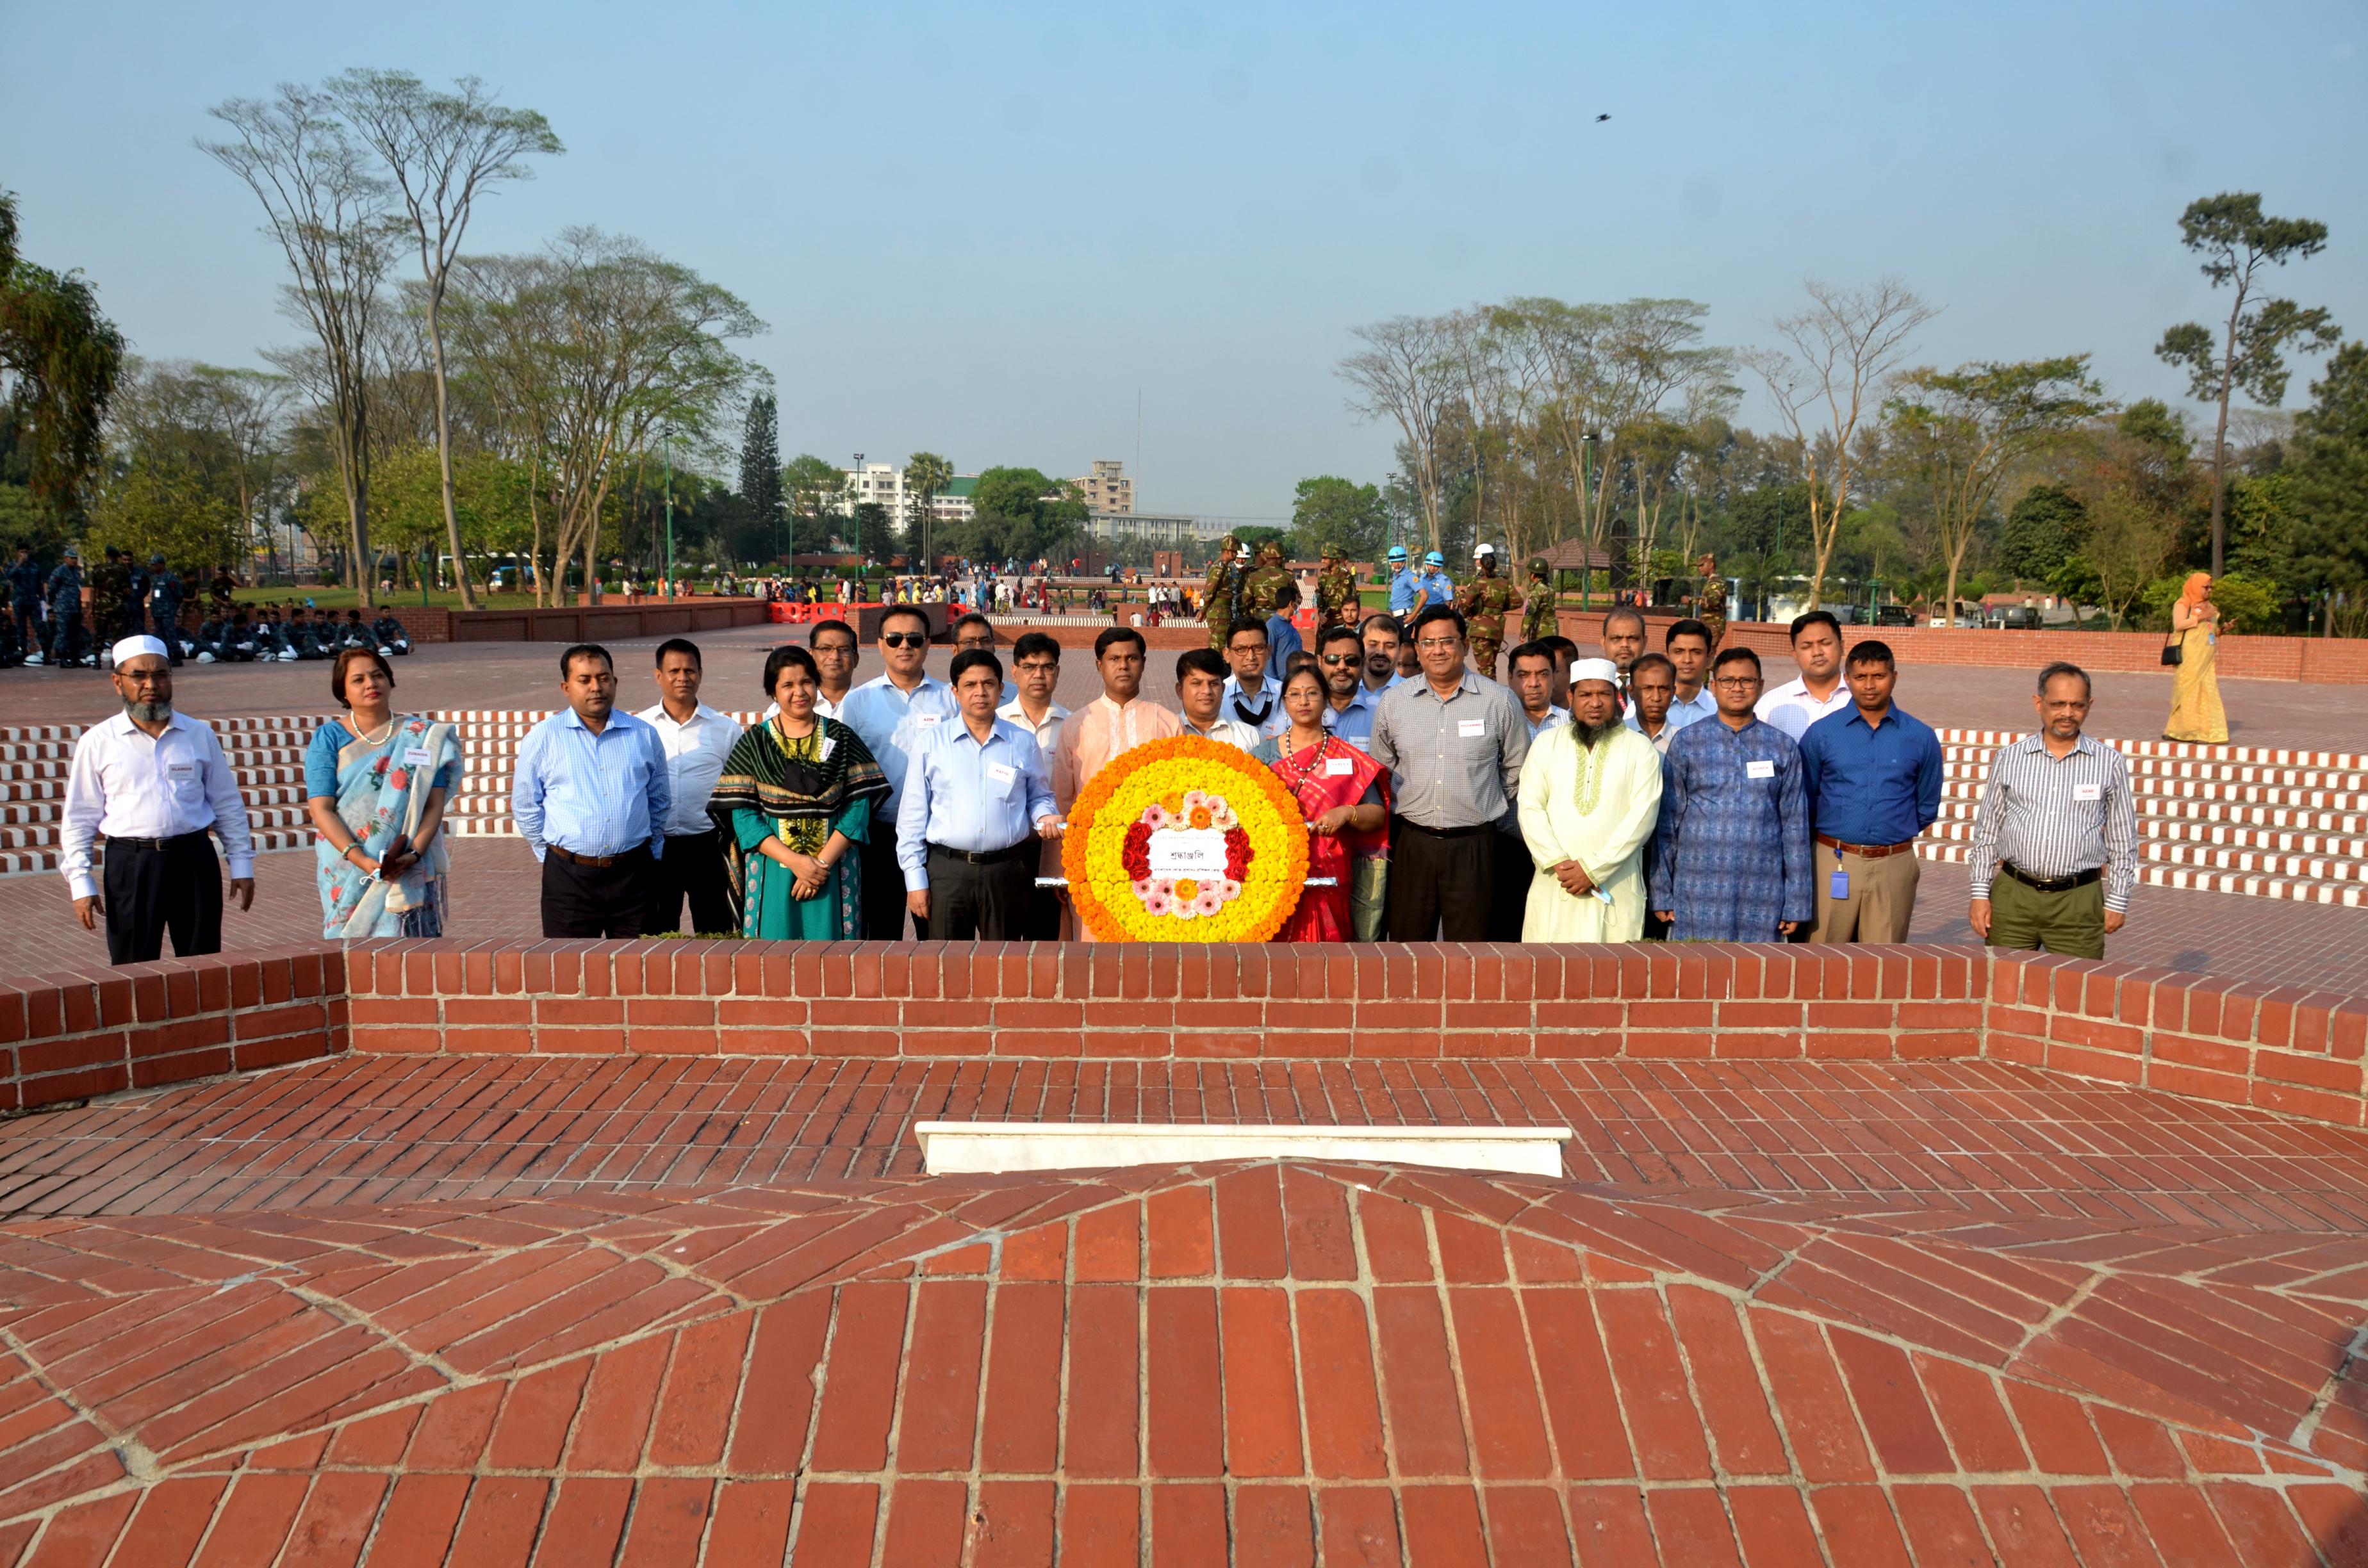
164	606
110	597
1538	608
1258	588
1224	604
1485	601
67	642
1337	599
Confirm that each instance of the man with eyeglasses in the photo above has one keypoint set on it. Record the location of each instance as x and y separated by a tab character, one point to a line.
976	632
890	712
1454	742
1348	707
1252	695
1730	858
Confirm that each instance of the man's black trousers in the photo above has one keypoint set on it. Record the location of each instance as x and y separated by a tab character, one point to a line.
1442	885
884	887
693	867
151	886
972	900
581	901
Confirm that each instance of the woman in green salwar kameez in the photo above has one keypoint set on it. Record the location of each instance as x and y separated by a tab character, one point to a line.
794	800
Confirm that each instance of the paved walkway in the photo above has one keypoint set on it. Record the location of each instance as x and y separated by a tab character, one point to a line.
2014	1320
526	675
2321	947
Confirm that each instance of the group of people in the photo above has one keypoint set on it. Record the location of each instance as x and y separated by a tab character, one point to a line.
63	619
1667	793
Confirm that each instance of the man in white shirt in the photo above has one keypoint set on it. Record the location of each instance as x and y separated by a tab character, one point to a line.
153	783
1036	670
1819	689
1251	696
1532	670
696	740
1201	686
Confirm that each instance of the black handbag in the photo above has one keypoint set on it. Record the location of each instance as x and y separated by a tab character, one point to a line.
2171	652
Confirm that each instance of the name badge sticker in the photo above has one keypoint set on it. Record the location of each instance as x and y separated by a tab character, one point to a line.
829	744
2087	791
1761	767
1003	773
1471	729
417	756
1339	767
926	718
181	769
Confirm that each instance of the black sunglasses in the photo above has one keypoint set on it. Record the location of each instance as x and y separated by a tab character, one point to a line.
903	640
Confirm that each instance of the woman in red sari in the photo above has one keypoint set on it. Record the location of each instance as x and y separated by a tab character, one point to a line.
1345	796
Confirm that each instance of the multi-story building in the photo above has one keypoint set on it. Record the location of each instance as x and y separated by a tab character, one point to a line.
1166	531
883	485
1107	488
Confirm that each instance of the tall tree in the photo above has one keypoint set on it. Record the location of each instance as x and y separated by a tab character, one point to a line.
1019	513
442	151
607	343
2330	491
1831	378
330	212
2236	241
925	477
60	360
1964	430
760	469
1407	374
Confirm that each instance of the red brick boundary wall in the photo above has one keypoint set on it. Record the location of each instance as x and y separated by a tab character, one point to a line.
2291	1051
2322	661
68	1037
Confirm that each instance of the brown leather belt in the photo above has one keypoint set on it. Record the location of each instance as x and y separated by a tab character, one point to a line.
597	862
1866	851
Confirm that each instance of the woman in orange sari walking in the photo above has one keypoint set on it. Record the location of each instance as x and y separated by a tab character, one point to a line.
2196	710
1344	794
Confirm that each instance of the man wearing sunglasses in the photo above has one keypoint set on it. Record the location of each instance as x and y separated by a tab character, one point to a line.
1348	704
895	714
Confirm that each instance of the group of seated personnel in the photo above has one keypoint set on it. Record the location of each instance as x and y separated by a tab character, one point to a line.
272	635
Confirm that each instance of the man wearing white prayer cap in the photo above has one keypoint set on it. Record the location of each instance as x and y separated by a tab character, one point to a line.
1591	792
154	784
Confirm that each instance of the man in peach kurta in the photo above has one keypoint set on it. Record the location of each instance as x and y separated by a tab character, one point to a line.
1120	719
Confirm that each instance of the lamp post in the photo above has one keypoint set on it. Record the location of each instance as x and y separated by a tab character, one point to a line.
1587	484
669	513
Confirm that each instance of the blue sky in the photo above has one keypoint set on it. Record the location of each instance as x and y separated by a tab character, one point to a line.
983	230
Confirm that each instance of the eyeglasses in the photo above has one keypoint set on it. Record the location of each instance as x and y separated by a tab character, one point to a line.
1734	680
1343	658
903	640
1439	642
839	649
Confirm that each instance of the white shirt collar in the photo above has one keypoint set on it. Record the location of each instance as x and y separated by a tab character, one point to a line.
657	714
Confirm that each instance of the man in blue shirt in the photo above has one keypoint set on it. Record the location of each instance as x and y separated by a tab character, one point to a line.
1252	695
1404	582
590	795
1688	643
893	714
1435	587
976	796
1348	706
1873	776
1281	636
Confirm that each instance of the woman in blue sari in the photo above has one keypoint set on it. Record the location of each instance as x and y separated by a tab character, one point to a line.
795	798
376	783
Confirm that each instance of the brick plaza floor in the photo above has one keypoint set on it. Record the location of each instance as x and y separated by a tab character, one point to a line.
695	1311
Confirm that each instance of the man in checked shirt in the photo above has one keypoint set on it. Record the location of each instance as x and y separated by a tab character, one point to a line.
2056	840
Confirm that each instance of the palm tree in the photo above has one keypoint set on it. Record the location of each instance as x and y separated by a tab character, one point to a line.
925	477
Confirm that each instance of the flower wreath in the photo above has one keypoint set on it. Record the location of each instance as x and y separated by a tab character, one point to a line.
1186	783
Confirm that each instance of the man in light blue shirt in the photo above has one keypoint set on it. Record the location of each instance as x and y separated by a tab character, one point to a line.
1404	582
891	712
1252	695
1281	636
978	793
590	795
1349	705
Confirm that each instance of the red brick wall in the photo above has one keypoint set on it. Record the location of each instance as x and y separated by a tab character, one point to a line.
70	1037
2294	1052
2338	661
587	623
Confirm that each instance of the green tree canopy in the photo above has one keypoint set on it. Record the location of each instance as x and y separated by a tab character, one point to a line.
63	358
2043	529
2329	491
1329	511
1018	513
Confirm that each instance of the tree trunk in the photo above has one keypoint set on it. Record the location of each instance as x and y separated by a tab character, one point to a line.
444	453
2220	441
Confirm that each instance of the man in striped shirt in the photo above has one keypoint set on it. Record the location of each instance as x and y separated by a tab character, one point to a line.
2056	840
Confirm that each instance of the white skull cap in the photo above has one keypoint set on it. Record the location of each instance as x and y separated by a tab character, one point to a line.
132	647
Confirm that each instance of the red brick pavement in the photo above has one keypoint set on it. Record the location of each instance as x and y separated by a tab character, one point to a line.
2040	1323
